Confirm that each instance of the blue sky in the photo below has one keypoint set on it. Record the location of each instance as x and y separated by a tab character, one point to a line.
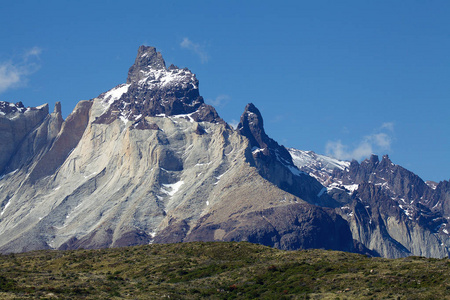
345	78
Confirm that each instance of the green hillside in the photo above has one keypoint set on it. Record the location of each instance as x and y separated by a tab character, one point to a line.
218	271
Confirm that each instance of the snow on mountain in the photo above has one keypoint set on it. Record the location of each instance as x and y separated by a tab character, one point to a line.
115	93
149	162
154	79
346	181
319	166
153	90
309	159
7	108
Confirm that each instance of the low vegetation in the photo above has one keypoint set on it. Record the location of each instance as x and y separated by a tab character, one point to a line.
218	271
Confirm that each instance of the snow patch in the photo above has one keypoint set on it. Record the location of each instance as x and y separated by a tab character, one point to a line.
9	174
189	116
115	93
256	150
313	160
154	79
407	211
294	170
351	187
431	184
6	206
171	189
90	175
152	234
123	119
220	176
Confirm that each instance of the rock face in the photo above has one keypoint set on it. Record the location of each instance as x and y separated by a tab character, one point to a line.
390	209
16	122
25	132
150	162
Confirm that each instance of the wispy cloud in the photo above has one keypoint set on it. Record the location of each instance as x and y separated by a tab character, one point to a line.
9	76
219	101
32	53
379	141
195	48
388	125
14	73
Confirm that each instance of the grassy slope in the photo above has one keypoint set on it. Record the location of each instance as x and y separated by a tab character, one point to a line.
219	271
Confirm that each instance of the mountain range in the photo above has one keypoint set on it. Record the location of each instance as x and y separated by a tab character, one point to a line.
150	162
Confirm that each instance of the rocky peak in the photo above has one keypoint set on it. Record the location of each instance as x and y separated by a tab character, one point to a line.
147	59
372	161
275	163
154	90
56	120
385	166
57	109
10	108
251	125
386	161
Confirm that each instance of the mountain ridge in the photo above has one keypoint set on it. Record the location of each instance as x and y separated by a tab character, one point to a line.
149	162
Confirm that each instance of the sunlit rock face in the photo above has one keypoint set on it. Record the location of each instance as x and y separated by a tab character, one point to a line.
149	162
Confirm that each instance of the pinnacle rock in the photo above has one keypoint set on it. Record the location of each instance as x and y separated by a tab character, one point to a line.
147	59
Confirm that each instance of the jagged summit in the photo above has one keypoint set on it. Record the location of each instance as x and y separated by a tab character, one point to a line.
149	162
9	108
152	90
147	59
251	125
274	161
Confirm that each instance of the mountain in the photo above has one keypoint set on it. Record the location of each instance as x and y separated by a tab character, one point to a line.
389	209
149	162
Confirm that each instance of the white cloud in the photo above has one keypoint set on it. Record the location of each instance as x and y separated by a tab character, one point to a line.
381	140
363	150
220	100
14	74
337	149
196	48
10	76
369	144
388	125
33	52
